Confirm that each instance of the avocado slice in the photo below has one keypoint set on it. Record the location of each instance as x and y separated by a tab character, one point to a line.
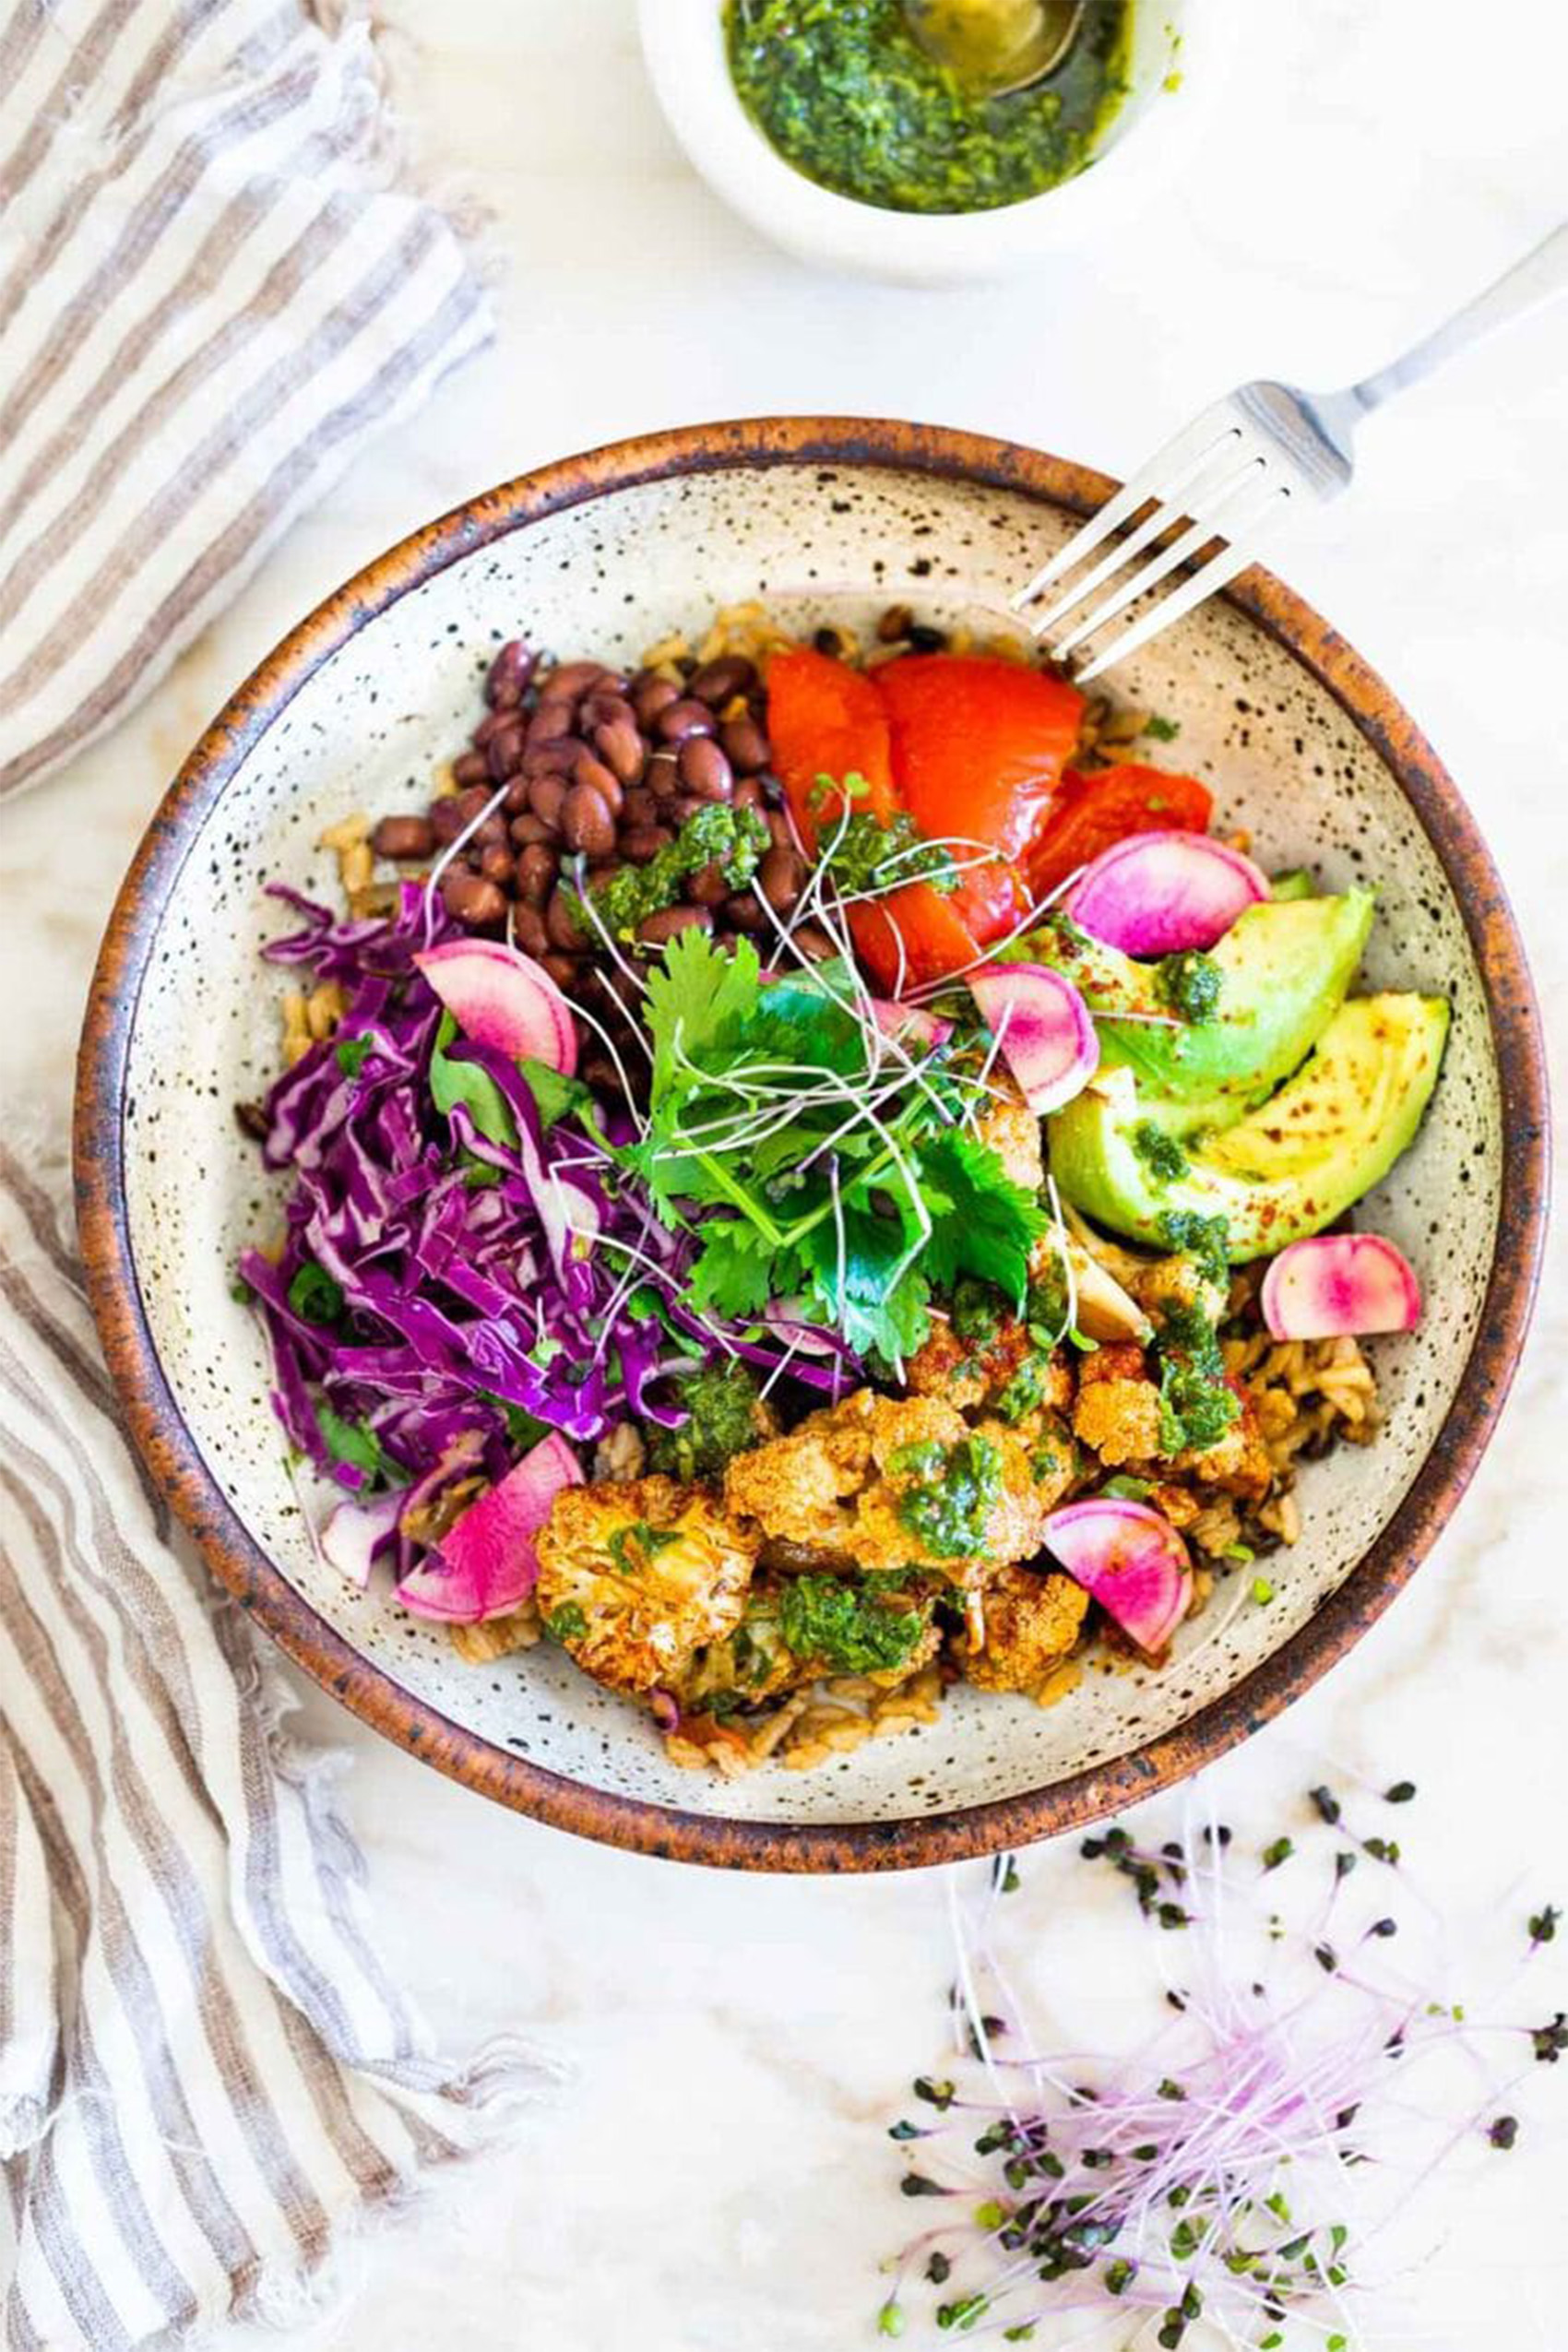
1286	1168
1284	966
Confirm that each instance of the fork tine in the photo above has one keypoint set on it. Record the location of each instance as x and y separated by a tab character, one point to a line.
1217	472
1214	574
1168	470
1170	559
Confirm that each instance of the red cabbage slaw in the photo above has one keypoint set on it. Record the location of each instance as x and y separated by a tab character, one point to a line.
440	1295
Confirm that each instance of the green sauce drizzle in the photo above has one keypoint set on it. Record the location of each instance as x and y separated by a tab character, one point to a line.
954	1490
845	92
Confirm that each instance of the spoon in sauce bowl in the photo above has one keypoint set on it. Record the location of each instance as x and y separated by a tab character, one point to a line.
996	46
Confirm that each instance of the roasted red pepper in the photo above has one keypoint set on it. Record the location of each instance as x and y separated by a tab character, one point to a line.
1091	813
825	719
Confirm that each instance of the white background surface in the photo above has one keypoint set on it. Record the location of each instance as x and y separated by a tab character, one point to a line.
714	2180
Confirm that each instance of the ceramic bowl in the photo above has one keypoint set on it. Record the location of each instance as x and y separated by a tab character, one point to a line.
825	519
1177	69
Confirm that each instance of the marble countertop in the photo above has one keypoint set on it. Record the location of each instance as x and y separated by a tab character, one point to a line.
715	2180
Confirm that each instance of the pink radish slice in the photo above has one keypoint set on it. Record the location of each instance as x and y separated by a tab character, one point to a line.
1047	1036
1340	1286
486	1563
1158	893
502	998
356	1534
1129	1559
782	1315
910	1022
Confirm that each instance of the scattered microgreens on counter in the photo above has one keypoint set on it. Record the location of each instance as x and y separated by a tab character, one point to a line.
1239	2164
818	1157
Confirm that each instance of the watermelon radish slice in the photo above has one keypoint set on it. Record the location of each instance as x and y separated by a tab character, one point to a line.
911	1023
356	1534
1159	894
1047	1036
1128	1558
1340	1286
502	998
485	1563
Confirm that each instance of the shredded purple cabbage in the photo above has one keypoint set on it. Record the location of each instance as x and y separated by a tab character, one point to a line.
479	1283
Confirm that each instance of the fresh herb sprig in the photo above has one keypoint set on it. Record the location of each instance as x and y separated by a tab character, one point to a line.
815	1157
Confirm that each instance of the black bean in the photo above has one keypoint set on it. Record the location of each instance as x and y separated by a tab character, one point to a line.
709	886
655	930
509	674
683	718
640	843
403	837
599	779
562	923
622	748
471	900
536	869
573	678
746	746
703	770
505	750
717	681
528	930
586	822
555	756
600	709
651	694
546	794
781	879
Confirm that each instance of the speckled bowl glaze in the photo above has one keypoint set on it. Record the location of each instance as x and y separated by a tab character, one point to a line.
604	554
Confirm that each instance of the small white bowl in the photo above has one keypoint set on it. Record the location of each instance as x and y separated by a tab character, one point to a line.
1176	70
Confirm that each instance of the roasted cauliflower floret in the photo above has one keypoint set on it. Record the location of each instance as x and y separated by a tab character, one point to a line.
635	1577
748	1665
1117	1411
1053	1456
1031	1621
882	1483
1003	1363
1238	1463
1012	1130
1178	1282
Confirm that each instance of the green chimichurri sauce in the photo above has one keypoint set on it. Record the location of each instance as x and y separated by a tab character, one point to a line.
846	93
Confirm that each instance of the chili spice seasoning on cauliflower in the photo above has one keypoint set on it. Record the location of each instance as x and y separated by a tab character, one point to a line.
634	1578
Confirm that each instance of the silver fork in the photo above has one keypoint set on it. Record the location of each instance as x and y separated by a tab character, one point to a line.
1235	473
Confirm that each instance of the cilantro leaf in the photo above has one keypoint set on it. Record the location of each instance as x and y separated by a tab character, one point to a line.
736	1272
984	1223
454	1082
696	1000
356	1444
556	1094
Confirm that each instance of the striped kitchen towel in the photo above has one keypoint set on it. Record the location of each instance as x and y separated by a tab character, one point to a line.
206	2076
215	284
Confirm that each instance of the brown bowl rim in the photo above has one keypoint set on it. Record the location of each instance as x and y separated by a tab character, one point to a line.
169	1451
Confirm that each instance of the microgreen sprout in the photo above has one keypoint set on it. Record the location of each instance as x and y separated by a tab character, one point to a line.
1238	2166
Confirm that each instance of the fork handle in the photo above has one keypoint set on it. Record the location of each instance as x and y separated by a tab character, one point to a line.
1540	277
